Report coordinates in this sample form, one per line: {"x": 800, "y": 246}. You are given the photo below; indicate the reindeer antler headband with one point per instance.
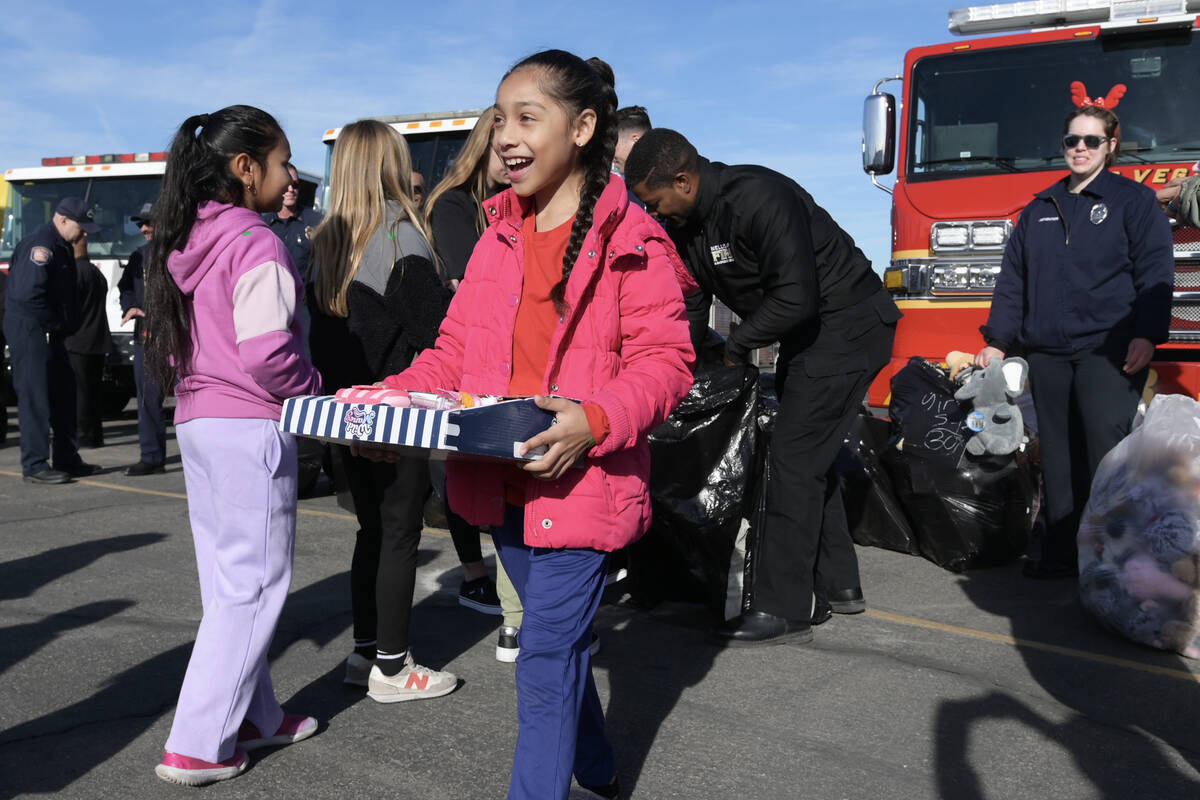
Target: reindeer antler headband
{"x": 1080, "y": 97}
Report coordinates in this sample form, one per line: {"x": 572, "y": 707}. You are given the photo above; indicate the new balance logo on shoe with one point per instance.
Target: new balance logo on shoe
{"x": 413, "y": 682}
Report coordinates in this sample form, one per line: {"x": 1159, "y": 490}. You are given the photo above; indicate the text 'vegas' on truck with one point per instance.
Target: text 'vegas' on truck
{"x": 975, "y": 136}
{"x": 115, "y": 186}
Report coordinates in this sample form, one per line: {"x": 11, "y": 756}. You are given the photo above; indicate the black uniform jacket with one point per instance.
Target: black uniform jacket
{"x": 758, "y": 242}
{"x": 132, "y": 286}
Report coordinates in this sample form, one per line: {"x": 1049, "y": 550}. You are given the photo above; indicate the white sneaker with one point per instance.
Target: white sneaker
{"x": 414, "y": 682}
{"x": 358, "y": 668}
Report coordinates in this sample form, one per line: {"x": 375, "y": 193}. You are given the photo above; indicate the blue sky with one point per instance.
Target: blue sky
{"x": 773, "y": 83}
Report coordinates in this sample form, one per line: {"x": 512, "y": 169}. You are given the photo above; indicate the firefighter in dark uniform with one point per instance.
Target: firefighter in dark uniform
{"x": 294, "y": 226}
{"x": 1085, "y": 292}
{"x": 41, "y": 307}
{"x": 756, "y": 240}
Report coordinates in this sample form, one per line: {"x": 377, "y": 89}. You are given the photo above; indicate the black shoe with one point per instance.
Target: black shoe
{"x": 847, "y": 601}
{"x": 82, "y": 469}
{"x": 507, "y": 648}
{"x": 1049, "y": 570}
{"x": 144, "y": 468}
{"x": 759, "y": 627}
{"x": 480, "y": 594}
{"x": 609, "y": 791}
{"x": 48, "y": 477}
{"x": 822, "y": 612}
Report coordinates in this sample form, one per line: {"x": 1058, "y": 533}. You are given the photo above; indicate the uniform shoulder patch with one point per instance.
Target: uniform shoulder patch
{"x": 246, "y": 233}
{"x": 40, "y": 256}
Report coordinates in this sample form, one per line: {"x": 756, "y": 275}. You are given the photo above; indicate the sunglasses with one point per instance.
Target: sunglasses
{"x": 1072, "y": 140}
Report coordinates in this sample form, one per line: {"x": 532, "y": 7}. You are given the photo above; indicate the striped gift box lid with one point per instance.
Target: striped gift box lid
{"x": 495, "y": 431}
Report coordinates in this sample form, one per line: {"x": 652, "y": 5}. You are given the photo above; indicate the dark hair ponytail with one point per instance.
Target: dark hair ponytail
{"x": 578, "y": 85}
{"x": 197, "y": 170}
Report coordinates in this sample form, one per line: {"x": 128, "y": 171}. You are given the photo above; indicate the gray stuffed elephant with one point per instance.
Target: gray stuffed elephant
{"x": 995, "y": 418}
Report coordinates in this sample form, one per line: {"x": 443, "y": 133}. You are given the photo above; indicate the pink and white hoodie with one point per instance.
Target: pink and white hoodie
{"x": 241, "y": 291}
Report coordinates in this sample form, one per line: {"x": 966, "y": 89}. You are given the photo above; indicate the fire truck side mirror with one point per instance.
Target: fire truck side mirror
{"x": 879, "y": 134}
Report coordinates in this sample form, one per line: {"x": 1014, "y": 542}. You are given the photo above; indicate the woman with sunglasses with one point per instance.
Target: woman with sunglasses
{"x": 1085, "y": 293}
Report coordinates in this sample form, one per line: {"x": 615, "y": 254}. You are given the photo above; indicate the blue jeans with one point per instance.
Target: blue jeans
{"x": 561, "y": 722}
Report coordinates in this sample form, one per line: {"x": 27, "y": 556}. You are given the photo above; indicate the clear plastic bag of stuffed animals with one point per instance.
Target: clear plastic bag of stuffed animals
{"x": 1139, "y": 539}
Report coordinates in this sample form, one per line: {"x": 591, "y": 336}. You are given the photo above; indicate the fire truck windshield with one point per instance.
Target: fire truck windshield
{"x": 113, "y": 199}
{"x": 1001, "y": 109}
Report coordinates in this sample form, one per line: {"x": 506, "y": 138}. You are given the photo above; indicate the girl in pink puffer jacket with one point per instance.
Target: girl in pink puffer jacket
{"x": 575, "y": 293}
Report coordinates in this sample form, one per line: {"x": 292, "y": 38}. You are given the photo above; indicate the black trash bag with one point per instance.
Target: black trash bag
{"x": 964, "y": 511}
{"x": 756, "y": 494}
{"x": 978, "y": 515}
{"x": 702, "y": 465}
{"x": 874, "y": 515}
{"x": 926, "y": 418}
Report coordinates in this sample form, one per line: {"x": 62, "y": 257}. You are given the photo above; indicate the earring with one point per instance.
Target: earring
{"x": 579, "y": 144}
{"x": 253, "y": 189}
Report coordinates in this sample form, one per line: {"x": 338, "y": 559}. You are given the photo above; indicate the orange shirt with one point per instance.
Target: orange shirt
{"x": 536, "y": 321}
{"x": 536, "y": 315}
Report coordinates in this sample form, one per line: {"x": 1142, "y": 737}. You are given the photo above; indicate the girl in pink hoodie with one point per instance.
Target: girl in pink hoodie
{"x": 224, "y": 292}
{"x": 571, "y": 292}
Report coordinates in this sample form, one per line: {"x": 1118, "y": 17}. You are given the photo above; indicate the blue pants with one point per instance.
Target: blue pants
{"x": 241, "y": 493}
{"x": 152, "y": 428}
{"x": 561, "y": 723}
{"x": 45, "y": 385}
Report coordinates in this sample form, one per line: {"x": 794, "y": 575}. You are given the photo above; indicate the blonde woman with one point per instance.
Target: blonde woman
{"x": 454, "y": 211}
{"x": 377, "y": 300}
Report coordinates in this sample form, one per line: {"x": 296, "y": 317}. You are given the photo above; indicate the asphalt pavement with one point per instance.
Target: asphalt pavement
{"x": 982, "y": 685}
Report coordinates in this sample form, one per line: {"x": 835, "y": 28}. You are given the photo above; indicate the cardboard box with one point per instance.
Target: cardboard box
{"x": 494, "y": 432}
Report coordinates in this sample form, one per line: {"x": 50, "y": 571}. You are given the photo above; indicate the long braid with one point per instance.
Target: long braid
{"x": 597, "y": 158}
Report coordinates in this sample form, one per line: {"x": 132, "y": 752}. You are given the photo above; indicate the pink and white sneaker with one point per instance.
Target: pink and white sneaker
{"x": 176, "y": 768}
{"x": 294, "y": 728}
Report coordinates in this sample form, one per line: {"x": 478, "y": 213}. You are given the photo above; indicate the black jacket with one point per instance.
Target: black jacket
{"x": 382, "y": 333}
{"x": 758, "y": 242}
{"x": 1095, "y": 269}
{"x": 132, "y": 286}
{"x": 92, "y": 336}
{"x": 454, "y": 234}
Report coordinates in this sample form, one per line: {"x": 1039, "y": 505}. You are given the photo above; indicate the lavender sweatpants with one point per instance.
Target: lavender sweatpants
{"x": 241, "y": 488}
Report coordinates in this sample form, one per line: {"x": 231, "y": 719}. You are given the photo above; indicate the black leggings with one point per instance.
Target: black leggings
{"x": 389, "y": 500}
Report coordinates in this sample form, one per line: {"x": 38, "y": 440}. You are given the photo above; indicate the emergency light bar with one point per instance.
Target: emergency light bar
{"x": 107, "y": 158}
{"x": 1060, "y": 13}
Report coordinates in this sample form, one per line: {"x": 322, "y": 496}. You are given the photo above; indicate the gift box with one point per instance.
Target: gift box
{"x": 493, "y": 431}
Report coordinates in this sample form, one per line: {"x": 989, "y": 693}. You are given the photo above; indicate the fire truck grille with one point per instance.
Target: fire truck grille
{"x": 1187, "y": 240}
{"x": 1185, "y": 321}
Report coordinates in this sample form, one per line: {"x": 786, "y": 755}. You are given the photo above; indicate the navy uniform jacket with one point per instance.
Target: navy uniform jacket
{"x": 760, "y": 243}
{"x": 295, "y": 232}
{"x": 42, "y": 282}
{"x": 1085, "y": 271}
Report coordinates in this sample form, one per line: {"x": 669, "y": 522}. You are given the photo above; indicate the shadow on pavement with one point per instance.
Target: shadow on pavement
{"x": 21, "y": 577}
{"x": 132, "y": 701}
{"x": 22, "y": 641}
{"x": 652, "y": 658}
{"x": 1118, "y": 715}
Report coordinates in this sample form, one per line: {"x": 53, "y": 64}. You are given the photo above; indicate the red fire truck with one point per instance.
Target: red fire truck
{"x": 975, "y": 136}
